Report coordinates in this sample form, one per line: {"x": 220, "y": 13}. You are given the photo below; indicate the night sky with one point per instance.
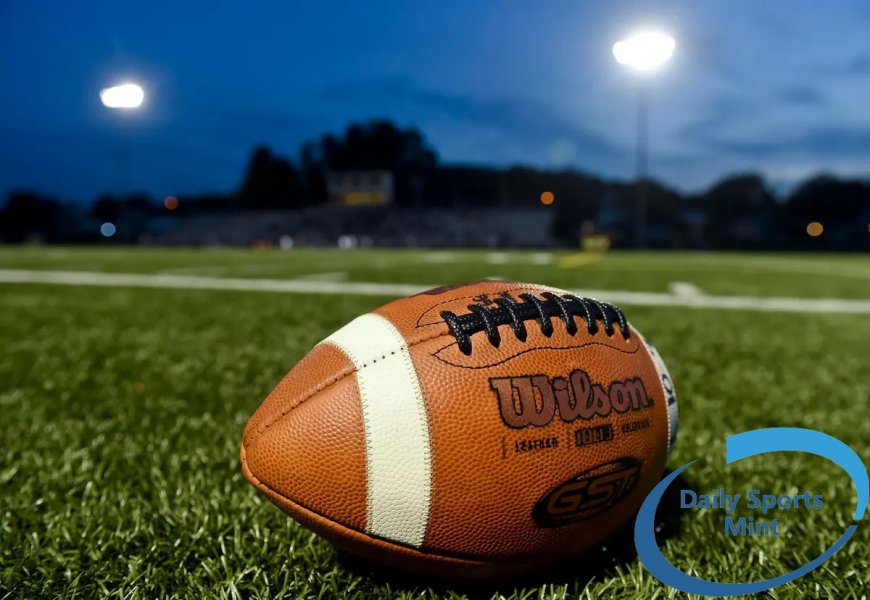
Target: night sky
{"x": 779, "y": 87}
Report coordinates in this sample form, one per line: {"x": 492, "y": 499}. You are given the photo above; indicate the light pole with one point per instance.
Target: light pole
{"x": 643, "y": 52}
{"x": 124, "y": 97}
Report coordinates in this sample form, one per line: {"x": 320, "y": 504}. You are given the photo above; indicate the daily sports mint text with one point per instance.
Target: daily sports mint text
{"x": 738, "y": 447}
{"x": 755, "y": 501}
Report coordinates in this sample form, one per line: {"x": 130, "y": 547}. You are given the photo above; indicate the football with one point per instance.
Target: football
{"x": 474, "y": 430}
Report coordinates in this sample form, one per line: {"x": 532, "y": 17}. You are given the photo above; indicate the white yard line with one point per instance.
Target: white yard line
{"x": 498, "y": 258}
{"x": 541, "y": 258}
{"x": 254, "y": 269}
{"x": 684, "y": 289}
{"x": 329, "y": 276}
{"x": 193, "y": 282}
{"x": 297, "y": 286}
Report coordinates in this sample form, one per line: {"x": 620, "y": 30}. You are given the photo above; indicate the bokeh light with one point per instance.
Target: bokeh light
{"x": 170, "y": 202}
{"x": 126, "y": 95}
{"x": 815, "y": 229}
{"x": 108, "y": 229}
{"x": 547, "y": 198}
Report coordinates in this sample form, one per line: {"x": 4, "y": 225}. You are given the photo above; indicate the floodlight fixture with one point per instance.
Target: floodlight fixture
{"x": 125, "y": 96}
{"x": 645, "y": 51}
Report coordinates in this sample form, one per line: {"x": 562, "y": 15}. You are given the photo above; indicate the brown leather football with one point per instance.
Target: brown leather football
{"x": 473, "y": 430}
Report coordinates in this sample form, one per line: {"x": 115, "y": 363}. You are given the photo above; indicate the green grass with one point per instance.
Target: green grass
{"x": 122, "y": 411}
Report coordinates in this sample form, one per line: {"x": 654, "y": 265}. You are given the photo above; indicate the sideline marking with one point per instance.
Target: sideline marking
{"x": 329, "y": 276}
{"x": 297, "y": 286}
{"x": 684, "y": 288}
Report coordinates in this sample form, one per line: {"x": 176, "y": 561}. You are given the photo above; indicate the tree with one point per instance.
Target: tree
{"x": 841, "y": 206}
{"x": 27, "y": 215}
{"x": 737, "y": 197}
{"x": 828, "y": 199}
{"x": 270, "y": 182}
{"x": 740, "y": 212}
{"x": 106, "y": 208}
{"x": 373, "y": 146}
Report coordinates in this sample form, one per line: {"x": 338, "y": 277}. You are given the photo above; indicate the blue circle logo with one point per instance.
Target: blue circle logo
{"x": 738, "y": 447}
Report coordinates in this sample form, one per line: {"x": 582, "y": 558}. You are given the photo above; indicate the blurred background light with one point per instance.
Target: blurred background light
{"x": 347, "y": 242}
{"x": 815, "y": 229}
{"x": 547, "y": 198}
{"x": 126, "y": 95}
{"x": 170, "y": 202}
{"x": 644, "y": 51}
{"x": 107, "y": 229}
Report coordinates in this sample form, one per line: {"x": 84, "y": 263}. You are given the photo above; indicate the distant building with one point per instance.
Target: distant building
{"x": 360, "y": 188}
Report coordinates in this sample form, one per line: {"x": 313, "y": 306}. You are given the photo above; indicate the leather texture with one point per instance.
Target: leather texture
{"x": 504, "y": 496}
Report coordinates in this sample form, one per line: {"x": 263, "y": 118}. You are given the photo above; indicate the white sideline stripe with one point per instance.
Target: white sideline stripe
{"x": 193, "y": 282}
{"x": 398, "y": 456}
{"x": 328, "y": 276}
{"x": 684, "y": 288}
{"x": 296, "y": 286}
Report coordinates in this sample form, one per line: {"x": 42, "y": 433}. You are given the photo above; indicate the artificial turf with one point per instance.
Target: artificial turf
{"x": 122, "y": 411}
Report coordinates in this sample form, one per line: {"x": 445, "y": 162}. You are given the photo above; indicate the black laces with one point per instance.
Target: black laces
{"x": 504, "y": 310}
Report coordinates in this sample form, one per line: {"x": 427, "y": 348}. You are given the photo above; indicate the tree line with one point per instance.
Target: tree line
{"x": 739, "y": 211}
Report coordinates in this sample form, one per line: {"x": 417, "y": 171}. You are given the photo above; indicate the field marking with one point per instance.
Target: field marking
{"x": 193, "y": 282}
{"x": 254, "y": 269}
{"x": 498, "y": 258}
{"x": 541, "y": 258}
{"x": 684, "y": 289}
{"x": 297, "y": 286}
{"x": 328, "y": 276}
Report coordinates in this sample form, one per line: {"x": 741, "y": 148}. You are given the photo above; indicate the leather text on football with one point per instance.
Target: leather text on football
{"x": 588, "y": 494}
{"x": 536, "y": 399}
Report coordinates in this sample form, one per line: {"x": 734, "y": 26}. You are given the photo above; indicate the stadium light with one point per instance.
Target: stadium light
{"x": 644, "y": 53}
{"x": 125, "y": 96}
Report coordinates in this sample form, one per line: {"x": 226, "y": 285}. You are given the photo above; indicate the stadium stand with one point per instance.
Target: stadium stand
{"x": 366, "y": 226}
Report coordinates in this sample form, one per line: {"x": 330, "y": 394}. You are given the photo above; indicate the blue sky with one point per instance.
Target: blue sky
{"x": 779, "y": 87}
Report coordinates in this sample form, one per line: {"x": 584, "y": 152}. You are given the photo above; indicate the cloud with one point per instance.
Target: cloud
{"x": 724, "y": 111}
{"x": 727, "y": 111}
{"x": 859, "y": 65}
{"x": 525, "y": 120}
{"x": 800, "y": 95}
{"x": 824, "y": 142}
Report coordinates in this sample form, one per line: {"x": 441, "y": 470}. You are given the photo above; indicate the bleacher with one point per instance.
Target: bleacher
{"x": 365, "y": 226}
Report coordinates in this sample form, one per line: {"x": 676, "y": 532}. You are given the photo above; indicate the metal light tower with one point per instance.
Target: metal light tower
{"x": 124, "y": 97}
{"x": 644, "y": 53}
